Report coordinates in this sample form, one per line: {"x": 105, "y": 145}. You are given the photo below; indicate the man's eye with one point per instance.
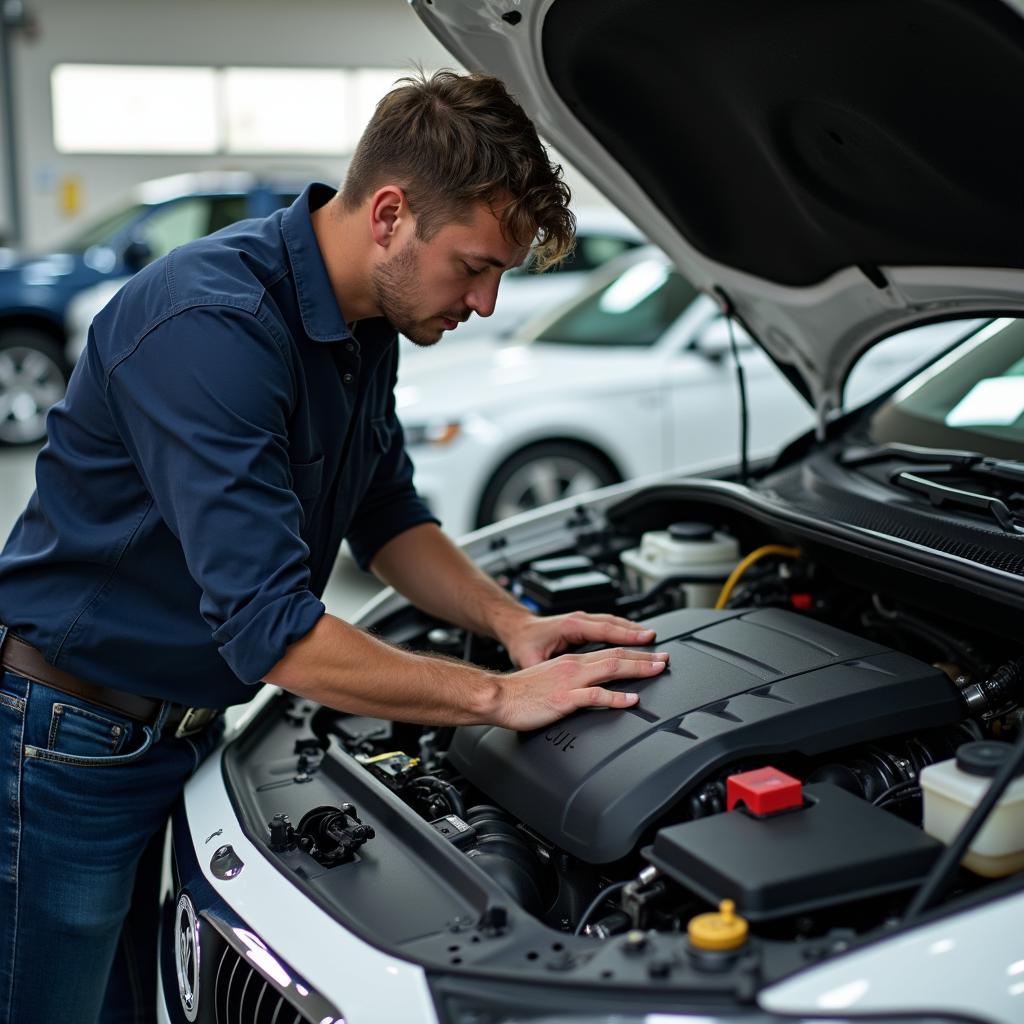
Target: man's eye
{"x": 473, "y": 271}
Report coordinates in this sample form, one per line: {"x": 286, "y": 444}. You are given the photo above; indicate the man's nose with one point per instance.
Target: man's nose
{"x": 481, "y": 299}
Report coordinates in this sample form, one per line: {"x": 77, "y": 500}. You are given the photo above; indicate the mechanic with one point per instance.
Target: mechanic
{"x": 232, "y": 420}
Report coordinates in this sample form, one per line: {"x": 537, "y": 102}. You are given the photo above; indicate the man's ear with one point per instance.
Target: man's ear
{"x": 389, "y": 212}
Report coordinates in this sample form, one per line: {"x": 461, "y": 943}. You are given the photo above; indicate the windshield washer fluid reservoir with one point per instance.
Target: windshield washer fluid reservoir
{"x": 953, "y": 788}
{"x": 698, "y": 552}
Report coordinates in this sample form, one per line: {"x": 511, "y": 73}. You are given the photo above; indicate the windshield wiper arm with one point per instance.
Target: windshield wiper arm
{"x": 1001, "y": 469}
{"x": 865, "y": 454}
{"x": 942, "y": 494}
{"x": 937, "y": 460}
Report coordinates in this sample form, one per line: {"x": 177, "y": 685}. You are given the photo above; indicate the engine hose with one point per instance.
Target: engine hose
{"x": 999, "y": 693}
{"x": 1006, "y": 684}
{"x": 754, "y": 556}
{"x": 451, "y": 796}
{"x": 952, "y": 648}
{"x": 605, "y": 893}
{"x": 500, "y": 851}
{"x": 901, "y": 626}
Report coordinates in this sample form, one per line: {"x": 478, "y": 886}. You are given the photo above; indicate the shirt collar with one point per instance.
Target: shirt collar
{"x": 321, "y": 317}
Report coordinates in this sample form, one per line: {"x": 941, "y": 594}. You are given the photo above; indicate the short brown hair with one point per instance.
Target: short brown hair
{"x": 451, "y": 140}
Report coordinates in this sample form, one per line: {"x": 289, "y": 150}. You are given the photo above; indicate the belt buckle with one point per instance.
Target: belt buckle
{"x": 193, "y": 720}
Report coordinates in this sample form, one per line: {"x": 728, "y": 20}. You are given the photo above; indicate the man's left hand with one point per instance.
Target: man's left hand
{"x": 531, "y": 640}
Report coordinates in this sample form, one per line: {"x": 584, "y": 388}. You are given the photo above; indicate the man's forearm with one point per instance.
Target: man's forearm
{"x": 346, "y": 668}
{"x": 436, "y": 576}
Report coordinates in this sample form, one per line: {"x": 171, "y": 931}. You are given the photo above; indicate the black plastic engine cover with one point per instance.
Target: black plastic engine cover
{"x": 740, "y": 684}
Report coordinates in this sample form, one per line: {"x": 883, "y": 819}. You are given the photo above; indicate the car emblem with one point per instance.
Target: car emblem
{"x": 186, "y": 956}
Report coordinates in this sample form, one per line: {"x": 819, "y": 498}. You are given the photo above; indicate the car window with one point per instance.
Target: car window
{"x": 972, "y": 398}
{"x": 102, "y": 230}
{"x": 635, "y": 308}
{"x": 894, "y": 358}
{"x": 175, "y": 224}
{"x": 179, "y": 222}
{"x": 225, "y": 210}
{"x": 594, "y": 250}
{"x": 591, "y": 251}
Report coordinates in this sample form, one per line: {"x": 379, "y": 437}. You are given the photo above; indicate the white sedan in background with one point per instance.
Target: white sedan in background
{"x": 602, "y": 234}
{"x": 635, "y": 377}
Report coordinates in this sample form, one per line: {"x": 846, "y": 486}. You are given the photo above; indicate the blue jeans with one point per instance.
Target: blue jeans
{"x": 84, "y": 797}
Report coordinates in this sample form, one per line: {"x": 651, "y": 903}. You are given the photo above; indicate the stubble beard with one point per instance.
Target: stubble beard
{"x": 397, "y": 287}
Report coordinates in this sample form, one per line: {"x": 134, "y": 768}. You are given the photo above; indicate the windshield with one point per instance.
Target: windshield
{"x": 635, "y": 308}
{"x": 100, "y": 232}
{"x": 972, "y": 399}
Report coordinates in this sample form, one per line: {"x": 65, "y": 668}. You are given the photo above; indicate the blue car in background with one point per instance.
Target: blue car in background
{"x": 35, "y": 290}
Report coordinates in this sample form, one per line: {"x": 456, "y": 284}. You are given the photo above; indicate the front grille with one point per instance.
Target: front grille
{"x": 242, "y": 995}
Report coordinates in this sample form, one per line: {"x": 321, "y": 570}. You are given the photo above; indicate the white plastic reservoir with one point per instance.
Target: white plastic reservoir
{"x": 953, "y": 788}
{"x": 697, "y": 551}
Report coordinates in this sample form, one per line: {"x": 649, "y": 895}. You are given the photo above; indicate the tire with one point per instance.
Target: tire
{"x": 33, "y": 378}
{"x": 540, "y": 474}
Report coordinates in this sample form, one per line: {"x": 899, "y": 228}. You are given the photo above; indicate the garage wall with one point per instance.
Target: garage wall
{"x": 219, "y": 32}
{"x": 4, "y": 216}
{"x": 295, "y": 33}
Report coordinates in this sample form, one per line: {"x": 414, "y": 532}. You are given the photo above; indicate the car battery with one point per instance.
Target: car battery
{"x": 829, "y": 848}
{"x": 555, "y": 585}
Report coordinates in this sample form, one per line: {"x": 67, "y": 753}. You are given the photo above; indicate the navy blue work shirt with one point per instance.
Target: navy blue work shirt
{"x": 223, "y": 432}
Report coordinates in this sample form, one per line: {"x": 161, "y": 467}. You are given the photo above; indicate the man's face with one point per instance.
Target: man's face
{"x": 427, "y": 288}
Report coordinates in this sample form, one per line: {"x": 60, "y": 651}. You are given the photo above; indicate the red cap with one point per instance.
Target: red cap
{"x": 764, "y": 791}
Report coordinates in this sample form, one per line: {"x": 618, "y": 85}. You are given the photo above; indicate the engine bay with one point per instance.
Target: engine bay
{"x": 832, "y": 678}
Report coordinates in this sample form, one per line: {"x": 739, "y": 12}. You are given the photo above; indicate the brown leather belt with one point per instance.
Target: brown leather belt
{"x": 23, "y": 659}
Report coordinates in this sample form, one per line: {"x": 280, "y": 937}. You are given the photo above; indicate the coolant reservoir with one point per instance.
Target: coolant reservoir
{"x": 698, "y": 552}
{"x": 953, "y": 788}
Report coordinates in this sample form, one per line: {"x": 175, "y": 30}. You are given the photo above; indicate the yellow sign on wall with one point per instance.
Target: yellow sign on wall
{"x": 69, "y": 195}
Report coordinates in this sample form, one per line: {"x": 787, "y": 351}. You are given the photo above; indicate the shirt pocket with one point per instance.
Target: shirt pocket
{"x": 307, "y": 479}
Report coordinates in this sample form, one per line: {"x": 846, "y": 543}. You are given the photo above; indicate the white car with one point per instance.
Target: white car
{"x": 812, "y": 814}
{"x": 633, "y": 378}
{"x": 601, "y": 235}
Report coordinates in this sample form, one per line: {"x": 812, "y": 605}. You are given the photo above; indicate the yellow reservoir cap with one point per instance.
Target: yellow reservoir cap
{"x": 720, "y": 930}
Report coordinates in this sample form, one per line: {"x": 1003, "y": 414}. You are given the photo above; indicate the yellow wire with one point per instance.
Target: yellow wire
{"x": 754, "y": 556}
{"x": 413, "y": 761}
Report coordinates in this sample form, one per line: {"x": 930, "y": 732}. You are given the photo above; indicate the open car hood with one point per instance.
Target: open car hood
{"x": 833, "y": 172}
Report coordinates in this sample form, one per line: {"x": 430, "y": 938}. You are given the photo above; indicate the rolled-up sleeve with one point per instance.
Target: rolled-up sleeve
{"x": 391, "y": 505}
{"x": 203, "y": 403}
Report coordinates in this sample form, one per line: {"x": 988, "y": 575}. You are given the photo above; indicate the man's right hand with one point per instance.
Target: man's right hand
{"x": 537, "y": 696}
{"x": 345, "y": 668}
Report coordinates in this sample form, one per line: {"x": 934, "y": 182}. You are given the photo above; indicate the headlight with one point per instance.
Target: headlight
{"x": 440, "y": 433}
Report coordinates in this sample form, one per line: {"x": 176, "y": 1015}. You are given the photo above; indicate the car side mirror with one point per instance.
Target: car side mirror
{"x": 136, "y": 254}
{"x": 712, "y": 341}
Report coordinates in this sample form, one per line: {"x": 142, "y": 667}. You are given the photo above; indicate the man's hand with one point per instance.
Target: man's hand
{"x": 537, "y": 696}
{"x": 345, "y": 668}
{"x": 530, "y": 640}
{"x": 437, "y": 577}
